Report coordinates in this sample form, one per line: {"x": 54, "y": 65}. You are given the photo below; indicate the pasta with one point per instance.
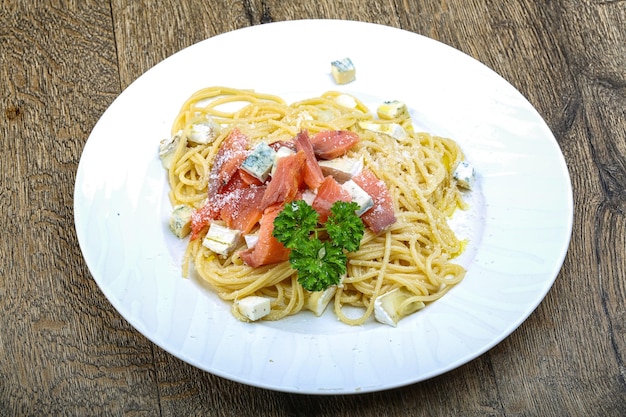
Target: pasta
{"x": 415, "y": 253}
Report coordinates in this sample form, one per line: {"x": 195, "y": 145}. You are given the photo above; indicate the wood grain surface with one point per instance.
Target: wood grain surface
{"x": 64, "y": 350}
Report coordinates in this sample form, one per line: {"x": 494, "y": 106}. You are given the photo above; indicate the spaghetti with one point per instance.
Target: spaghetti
{"x": 415, "y": 253}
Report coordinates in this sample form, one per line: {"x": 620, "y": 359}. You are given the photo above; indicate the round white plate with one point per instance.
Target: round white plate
{"x": 519, "y": 225}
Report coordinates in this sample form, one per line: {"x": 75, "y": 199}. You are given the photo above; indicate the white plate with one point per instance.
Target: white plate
{"x": 520, "y": 224}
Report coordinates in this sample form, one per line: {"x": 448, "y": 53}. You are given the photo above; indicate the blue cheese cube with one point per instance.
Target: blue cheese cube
{"x": 180, "y": 220}
{"x": 343, "y": 71}
{"x": 465, "y": 175}
{"x": 392, "y": 110}
{"x": 260, "y": 161}
{"x": 359, "y": 196}
{"x": 221, "y": 240}
{"x": 389, "y": 308}
{"x": 390, "y": 129}
{"x": 253, "y": 307}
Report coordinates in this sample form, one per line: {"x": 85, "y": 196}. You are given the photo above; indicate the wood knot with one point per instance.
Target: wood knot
{"x": 12, "y": 112}
{"x": 266, "y": 17}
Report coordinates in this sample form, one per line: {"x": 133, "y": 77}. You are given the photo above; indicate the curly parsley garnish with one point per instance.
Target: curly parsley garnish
{"x": 318, "y": 253}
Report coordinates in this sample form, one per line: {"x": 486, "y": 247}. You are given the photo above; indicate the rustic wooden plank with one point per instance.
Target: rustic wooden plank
{"x": 599, "y": 347}
{"x": 148, "y": 32}
{"x": 63, "y": 348}
{"x": 382, "y": 12}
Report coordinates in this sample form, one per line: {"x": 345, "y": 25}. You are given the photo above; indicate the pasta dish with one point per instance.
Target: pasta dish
{"x": 226, "y": 196}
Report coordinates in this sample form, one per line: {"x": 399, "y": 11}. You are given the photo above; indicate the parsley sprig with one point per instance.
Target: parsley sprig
{"x": 318, "y": 252}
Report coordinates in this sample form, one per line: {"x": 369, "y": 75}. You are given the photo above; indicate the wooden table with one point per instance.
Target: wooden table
{"x": 64, "y": 350}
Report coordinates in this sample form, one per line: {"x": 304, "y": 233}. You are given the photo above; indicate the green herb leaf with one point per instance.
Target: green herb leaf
{"x": 295, "y": 223}
{"x": 320, "y": 263}
{"x": 319, "y": 266}
{"x": 344, "y": 227}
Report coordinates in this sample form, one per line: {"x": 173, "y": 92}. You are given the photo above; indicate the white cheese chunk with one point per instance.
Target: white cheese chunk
{"x": 341, "y": 169}
{"x": 260, "y": 161}
{"x": 391, "y": 129}
{"x": 180, "y": 220}
{"x": 281, "y": 153}
{"x": 203, "y": 130}
{"x": 389, "y": 308}
{"x": 343, "y": 71}
{"x": 167, "y": 148}
{"x": 359, "y": 196}
{"x": 392, "y": 110}
{"x": 221, "y": 239}
{"x": 346, "y": 100}
{"x": 253, "y": 307}
{"x": 251, "y": 240}
{"x": 465, "y": 175}
{"x": 318, "y": 300}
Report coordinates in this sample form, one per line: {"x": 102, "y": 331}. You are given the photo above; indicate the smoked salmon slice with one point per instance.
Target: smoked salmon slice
{"x": 313, "y": 176}
{"x": 201, "y": 218}
{"x": 248, "y": 178}
{"x": 286, "y": 181}
{"x": 227, "y": 161}
{"x": 381, "y": 215}
{"x": 268, "y": 249}
{"x": 242, "y": 208}
{"x": 328, "y": 193}
{"x": 331, "y": 144}
{"x": 213, "y": 206}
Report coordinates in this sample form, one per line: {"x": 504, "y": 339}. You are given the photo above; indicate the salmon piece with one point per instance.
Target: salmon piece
{"x": 382, "y": 214}
{"x": 268, "y": 249}
{"x": 328, "y": 193}
{"x": 313, "y": 176}
{"x": 231, "y": 154}
{"x": 248, "y": 178}
{"x": 241, "y": 208}
{"x": 212, "y": 208}
{"x": 286, "y": 181}
{"x": 331, "y": 144}
{"x": 201, "y": 217}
